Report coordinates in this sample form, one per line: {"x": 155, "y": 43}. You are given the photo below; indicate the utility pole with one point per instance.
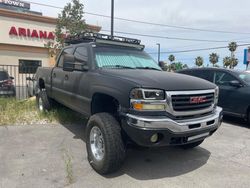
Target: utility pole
{"x": 159, "y": 52}
{"x": 112, "y": 18}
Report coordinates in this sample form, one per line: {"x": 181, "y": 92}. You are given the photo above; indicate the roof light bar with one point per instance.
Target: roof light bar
{"x": 102, "y": 38}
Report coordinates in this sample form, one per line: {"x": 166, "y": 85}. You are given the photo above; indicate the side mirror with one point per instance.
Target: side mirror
{"x": 235, "y": 83}
{"x": 12, "y": 78}
{"x": 68, "y": 62}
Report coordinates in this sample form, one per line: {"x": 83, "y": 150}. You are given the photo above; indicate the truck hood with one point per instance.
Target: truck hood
{"x": 159, "y": 79}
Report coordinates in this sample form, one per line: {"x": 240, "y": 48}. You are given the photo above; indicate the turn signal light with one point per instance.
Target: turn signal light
{"x": 142, "y": 106}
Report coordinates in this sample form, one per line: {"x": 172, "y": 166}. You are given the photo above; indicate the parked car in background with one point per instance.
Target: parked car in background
{"x": 7, "y": 87}
{"x": 234, "y": 88}
{"x": 31, "y": 82}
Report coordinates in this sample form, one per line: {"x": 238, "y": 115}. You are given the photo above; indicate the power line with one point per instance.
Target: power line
{"x": 165, "y": 37}
{"x": 149, "y": 23}
{"x": 195, "y": 50}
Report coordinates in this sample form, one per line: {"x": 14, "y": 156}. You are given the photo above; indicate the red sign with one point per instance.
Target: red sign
{"x": 32, "y": 33}
{"x": 198, "y": 100}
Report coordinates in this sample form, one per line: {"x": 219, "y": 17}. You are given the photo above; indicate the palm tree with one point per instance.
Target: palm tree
{"x": 234, "y": 62}
{"x": 232, "y": 46}
{"x": 226, "y": 61}
{"x": 171, "y": 58}
{"x": 213, "y": 58}
{"x": 199, "y": 61}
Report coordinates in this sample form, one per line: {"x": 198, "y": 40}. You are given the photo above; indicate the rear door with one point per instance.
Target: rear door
{"x": 59, "y": 77}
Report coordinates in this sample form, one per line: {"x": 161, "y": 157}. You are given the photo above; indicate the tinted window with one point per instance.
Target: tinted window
{"x": 65, "y": 51}
{"x": 3, "y": 75}
{"x": 81, "y": 54}
{"x": 29, "y": 66}
{"x": 223, "y": 78}
{"x": 203, "y": 74}
{"x": 245, "y": 76}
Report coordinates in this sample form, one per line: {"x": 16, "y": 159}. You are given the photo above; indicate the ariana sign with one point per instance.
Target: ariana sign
{"x": 15, "y": 3}
{"x": 31, "y": 33}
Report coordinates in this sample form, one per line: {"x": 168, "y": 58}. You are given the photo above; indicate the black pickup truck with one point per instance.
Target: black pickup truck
{"x": 127, "y": 98}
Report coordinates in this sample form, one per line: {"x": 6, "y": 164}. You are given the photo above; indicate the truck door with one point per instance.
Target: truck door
{"x": 59, "y": 91}
{"x": 229, "y": 96}
{"x": 78, "y": 84}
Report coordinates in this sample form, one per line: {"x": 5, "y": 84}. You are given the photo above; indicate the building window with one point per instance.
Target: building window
{"x": 29, "y": 66}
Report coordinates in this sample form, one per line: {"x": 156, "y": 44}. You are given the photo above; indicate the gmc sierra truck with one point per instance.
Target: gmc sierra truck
{"x": 127, "y": 98}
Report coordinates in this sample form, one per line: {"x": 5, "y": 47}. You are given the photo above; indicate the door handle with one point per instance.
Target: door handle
{"x": 66, "y": 77}
{"x": 54, "y": 75}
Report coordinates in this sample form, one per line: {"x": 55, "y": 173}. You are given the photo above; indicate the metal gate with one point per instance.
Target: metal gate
{"x": 17, "y": 81}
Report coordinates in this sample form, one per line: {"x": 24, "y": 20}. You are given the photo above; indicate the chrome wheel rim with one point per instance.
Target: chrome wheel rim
{"x": 40, "y": 104}
{"x": 97, "y": 143}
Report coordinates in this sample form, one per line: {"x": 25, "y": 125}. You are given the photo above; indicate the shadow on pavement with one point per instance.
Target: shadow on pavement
{"x": 157, "y": 163}
{"x": 235, "y": 121}
{"x": 152, "y": 163}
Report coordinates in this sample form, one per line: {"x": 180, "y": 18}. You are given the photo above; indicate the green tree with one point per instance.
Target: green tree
{"x": 171, "y": 58}
{"x": 70, "y": 22}
{"x": 213, "y": 58}
{"x": 199, "y": 61}
{"x": 232, "y": 46}
{"x": 226, "y": 61}
{"x": 234, "y": 62}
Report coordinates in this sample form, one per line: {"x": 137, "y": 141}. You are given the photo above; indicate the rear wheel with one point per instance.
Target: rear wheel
{"x": 43, "y": 102}
{"x": 191, "y": 145}
{"x": 105, "y": 147}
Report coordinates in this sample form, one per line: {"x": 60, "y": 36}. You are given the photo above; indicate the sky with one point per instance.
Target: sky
{"x": 223, "y": 15}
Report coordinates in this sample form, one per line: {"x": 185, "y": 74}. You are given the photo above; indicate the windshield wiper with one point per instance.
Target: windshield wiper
{"x": 148, "y": 68}
{"x": 117, "y": 66}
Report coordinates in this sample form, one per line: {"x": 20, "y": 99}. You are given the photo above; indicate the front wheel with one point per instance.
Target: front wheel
{"x": 43, "y": 101}
{"x": 191, "y": 145}
{"x": 105, "y": 147}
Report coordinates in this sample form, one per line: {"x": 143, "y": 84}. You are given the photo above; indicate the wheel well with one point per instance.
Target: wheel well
{"x": 41, "y": 83}
{"x": 104, "y": 103}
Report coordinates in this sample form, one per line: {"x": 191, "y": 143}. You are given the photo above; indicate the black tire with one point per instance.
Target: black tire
{"x": 191, "y": 145}
{"x": 114, "y": 148}
{"x": 45, "y": 104}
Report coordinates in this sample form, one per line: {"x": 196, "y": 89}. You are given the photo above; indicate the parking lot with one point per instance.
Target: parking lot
{"x": 55, "y": 156}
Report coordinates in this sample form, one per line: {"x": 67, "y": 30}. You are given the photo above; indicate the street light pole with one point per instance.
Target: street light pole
{"x": 159, "y": 52}
{"x": 112, "y": 18}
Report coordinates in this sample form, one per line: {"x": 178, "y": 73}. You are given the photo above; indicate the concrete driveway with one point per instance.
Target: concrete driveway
{"x": 55, "y": 156}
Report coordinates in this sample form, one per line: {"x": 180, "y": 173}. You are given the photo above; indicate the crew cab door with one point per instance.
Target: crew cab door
{"x": 59, "y": 77}
{"x": 78, "y": 82}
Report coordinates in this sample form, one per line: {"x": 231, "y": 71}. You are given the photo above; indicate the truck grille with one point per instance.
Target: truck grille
{"x": 189, "y": 103}
{"x": 192, "y": 102}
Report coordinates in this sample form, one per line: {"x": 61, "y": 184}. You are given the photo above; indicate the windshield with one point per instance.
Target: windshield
{"x": 120, "y": 58}
{"x": 245, "y": 76}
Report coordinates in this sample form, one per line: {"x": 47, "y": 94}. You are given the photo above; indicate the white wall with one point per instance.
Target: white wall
{"x": 6, "y": 23}
{"x": 12, "y": 57}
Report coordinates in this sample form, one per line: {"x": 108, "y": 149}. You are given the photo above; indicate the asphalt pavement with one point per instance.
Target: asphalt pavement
{"x": 55, "y": 156}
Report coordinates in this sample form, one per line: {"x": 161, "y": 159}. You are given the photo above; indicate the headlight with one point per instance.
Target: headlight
{"x": 147, "y": 94}
{"x": 147, "y": 99}
{"x": 216, "y": 95}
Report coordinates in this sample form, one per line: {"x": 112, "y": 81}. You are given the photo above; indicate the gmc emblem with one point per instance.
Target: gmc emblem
{"x": 198, "y": 100}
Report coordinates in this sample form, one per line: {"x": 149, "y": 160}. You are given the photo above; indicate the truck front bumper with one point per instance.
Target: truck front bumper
{"x": 162, "y": 131}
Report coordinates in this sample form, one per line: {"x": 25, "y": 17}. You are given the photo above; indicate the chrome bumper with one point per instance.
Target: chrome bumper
{"x": 178, "y": 126}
